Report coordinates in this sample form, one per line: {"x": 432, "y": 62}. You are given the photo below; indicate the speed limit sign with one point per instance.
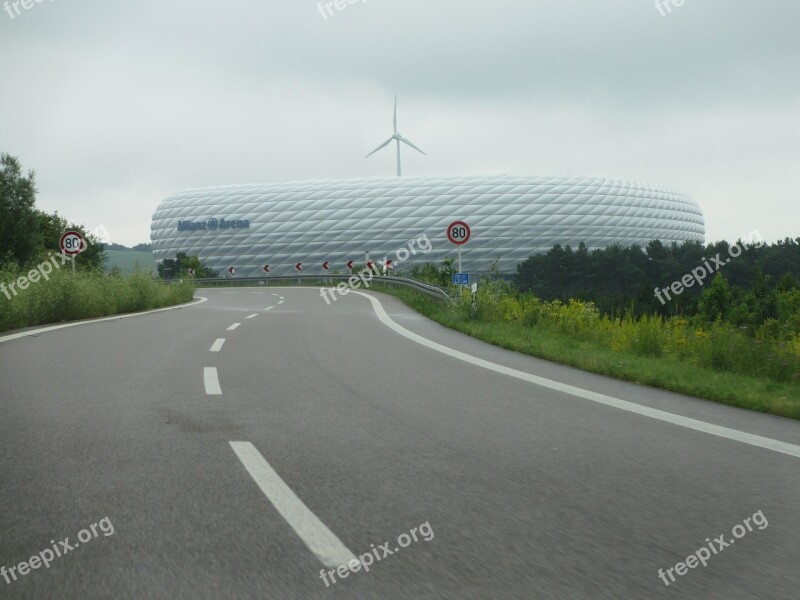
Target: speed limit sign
{"x": 72, "y": 243}
{"x": 458, "y": 232}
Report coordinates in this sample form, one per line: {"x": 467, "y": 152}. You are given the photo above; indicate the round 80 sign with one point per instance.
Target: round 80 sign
{"x": 458, "y": 232}
{"x": 72, "y": 243}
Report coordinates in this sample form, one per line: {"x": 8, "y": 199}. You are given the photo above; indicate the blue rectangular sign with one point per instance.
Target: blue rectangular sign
{"x": 460, "y": 278}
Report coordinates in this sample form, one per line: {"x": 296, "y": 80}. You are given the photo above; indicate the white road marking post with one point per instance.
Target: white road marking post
{"x": 234, "y": 326}
{"x": 328, "y": 548}
{"x": 217, "y": 345}
{"x": 211, "y": 381}
{"x": 645, "y": 411}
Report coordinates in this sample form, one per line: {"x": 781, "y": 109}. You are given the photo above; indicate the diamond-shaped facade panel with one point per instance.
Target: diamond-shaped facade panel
{"x": 511, "y": 218}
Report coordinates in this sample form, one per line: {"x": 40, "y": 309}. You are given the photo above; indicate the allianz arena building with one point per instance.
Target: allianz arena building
{"x": 511, "y": 217}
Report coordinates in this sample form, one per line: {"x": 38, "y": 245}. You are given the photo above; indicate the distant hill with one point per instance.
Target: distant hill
{"x": 129, "y": 259}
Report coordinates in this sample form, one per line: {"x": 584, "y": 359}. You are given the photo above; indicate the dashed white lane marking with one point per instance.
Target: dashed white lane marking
{"x": 253, "y": 316}
{"x": 269, "y": 308}
{"x": 217, "y": 345}
{"x": 646, "y": 411}
{"x": 211, "y": 381}
{"x": 280, "y": 301}
{"x": 274, "y": 294}
{"x": 328, "y": 548}
{"x": 230, "y": 292}
{"x": 234, "y": 326}
{"x": 16, "y": 336}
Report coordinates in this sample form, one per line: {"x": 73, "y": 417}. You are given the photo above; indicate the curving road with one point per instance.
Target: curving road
{"x": 247, "y": 444}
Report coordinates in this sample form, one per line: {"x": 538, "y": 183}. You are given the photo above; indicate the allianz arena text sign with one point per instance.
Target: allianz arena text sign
{"x": 213, "y": 224}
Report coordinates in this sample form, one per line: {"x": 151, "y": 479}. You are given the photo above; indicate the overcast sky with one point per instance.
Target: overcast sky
{"x": 118, "y": 103}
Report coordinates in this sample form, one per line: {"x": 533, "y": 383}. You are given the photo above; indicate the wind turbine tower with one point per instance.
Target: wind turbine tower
{"x": 397, "y": 138}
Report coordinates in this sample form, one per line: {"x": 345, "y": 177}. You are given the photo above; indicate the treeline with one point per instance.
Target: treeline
{"x": 621, "y": 279}
{"x": 29, "y": 235}
{"x": 35, "y": 285}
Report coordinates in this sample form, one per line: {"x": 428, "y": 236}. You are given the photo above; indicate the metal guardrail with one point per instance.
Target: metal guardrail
{"x": 430, "y": 290}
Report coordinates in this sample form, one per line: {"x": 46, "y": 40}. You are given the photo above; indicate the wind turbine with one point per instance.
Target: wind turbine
{"x": 397, "y": 138}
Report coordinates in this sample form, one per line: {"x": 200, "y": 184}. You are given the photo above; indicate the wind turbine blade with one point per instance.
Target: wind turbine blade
{"x": 383, "y": 145}
{"x": 399, "y": 170}
{"x": 395, "y": 113}
{"x": 405, "y": 141}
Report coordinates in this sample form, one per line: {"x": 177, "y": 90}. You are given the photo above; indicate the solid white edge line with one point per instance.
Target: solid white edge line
{"x": 211, "y": 381}
{"x": 16, "y": 336}
{"x": 645, "y": 411}
{"x": 217, "y": 345}
{"x": 253, "y": 316}
{"x": 328, "y": 548}
{"x": 234, "y": 326}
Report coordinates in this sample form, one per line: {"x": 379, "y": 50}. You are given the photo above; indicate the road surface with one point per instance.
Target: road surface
{"x": 217, "y": 460}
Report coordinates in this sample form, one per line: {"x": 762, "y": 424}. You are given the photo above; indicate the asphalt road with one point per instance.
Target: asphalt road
{"x": 315, "y": 433}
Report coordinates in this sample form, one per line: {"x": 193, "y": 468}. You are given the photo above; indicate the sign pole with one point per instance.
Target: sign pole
{"x": 458, "y": 232}
{"x": 72, "y": 243}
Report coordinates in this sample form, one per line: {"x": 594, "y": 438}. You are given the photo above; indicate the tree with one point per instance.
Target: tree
{"x": 50, "y": 229}
{"x": 178, "y": 267}
{"x": 715, "y": 300}
{"x": 19, "y": 226}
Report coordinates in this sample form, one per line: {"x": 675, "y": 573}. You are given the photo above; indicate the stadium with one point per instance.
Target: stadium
{"x": 511, "y": 218}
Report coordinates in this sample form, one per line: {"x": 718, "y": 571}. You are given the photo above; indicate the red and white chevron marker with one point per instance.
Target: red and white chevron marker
{"x": 387, "y": 266}
{"x": 325, "y": 265}
{"x": 350, "y": 264}
{"x": 369, "y": 264}
{"x": 232, "y": 271}
{"x": 299, "y": 266}
{"x": 266, "y": 268}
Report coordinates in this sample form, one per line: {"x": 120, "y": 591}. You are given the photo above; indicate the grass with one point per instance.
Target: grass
{"x": 761, "y": 394}
{"x": 67, "y": 297}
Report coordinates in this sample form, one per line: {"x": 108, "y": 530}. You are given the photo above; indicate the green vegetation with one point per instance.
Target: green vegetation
{"x": 618, "y": 279}
{"x": 37, "y": 287}
{"x": 67, "y": 297}
{"x": 178, "y": 267}
{"x": 28, "y": 234}
{"x": 756, "y": 368}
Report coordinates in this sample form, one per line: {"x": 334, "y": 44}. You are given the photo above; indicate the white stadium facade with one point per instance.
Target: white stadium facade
{"x": 511, "y": 217}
